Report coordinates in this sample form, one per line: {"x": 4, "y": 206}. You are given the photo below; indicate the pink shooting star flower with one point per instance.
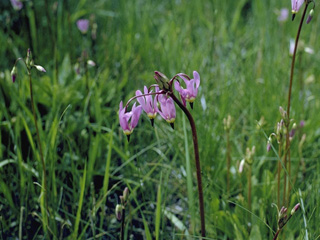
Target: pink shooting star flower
{"x": 147, "y": 103}
{"x": 16, "y": 4}
{"x": 296, "y": 5}
{"x": 83, "y": 25}
{"x": 190, "y": 93}
{"x": 283, "y": 14}
{"x": 167, "y": 109}
{"x": 124, "y": 118}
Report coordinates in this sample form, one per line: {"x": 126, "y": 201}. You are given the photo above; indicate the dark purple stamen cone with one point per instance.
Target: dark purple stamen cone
{"x": 293, "y": 16}
{"x": 191, "y": 105}
{"x": 152, "y": 122}
{"x": 172, "y": 125}
{"x": 128, "y": 138}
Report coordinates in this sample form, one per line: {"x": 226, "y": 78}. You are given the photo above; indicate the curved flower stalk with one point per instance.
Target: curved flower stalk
{"x": 296, "y": 5}
{"x": 28, "y": 62}
{"x": 165, "y": 98}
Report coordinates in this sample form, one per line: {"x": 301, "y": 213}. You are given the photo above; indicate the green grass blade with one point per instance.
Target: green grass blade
{"x": 146, "y": 228}
{"x": 107, "y": 170}
{"x": 189, "y": 175}
{"x": 82, "y": 188}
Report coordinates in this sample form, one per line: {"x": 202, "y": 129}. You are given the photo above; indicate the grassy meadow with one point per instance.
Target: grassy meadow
{"x": 241, "y": 52}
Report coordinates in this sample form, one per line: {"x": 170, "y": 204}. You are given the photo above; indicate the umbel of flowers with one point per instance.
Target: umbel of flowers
{"x": 160, "y": 99}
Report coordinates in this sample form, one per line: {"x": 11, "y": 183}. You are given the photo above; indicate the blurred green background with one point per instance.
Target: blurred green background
{"x": 241, "y": 51}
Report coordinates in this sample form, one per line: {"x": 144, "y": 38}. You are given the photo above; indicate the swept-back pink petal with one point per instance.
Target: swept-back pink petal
{"x": 196, "y": 77}
{"x": 136, "y": 112}
{"x": 140, "y": 100}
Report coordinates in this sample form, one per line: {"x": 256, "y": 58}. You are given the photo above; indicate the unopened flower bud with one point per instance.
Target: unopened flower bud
{"x": 310, "y": 16}
{"x": 91, "y": 63}
{"x": 241, "y": 165}
{"x": 283, "y": 113}
{"x": 283, "y": 210}
{"x": 14, "y": 73}
{"x": 253, "y": 150}
{"x": 40, "y": 68}
{"x": 162, "y": 80}
{"x": 125, "y": 194}
{"x": 295, "y": 208}
{"x": 29, "y": 58}
{"x": 227, "y": 123}
{"x": 119, "y": 212}
{"x": 269, "y": 144}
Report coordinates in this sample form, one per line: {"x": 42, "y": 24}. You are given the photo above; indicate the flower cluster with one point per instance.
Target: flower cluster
{"x": 280, "y": 132}
{"x": 28, "y": 63}
{"x": 297, "y": 4}
{"x": 160, "y": 100}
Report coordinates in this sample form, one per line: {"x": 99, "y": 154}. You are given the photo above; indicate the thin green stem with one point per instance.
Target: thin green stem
{"x": 279, "y": 172}
{"x": 228, "y": 162}
{"x": 287, "y": 123}
{"x": 249, "y": 195}
{"x": 197, "y": 160}
{"x": 44, "y": 189}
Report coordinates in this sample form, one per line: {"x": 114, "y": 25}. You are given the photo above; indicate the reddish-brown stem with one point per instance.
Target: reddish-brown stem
{"x": 287, "y": 123}
{"x": 276, "y": 235}
{"x": 197, "y": 161}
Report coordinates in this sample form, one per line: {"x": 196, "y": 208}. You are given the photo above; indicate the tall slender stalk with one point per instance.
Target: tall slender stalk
{"x": 44, "y": 188}
{"x": 122, "y": 224}
{"x": 249, "y": 195}
{"x": 197, "y": 160}
{"x": 287, "y": 123}
{"x": 279, "y": 172}
{"x": 228, "y": 162}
